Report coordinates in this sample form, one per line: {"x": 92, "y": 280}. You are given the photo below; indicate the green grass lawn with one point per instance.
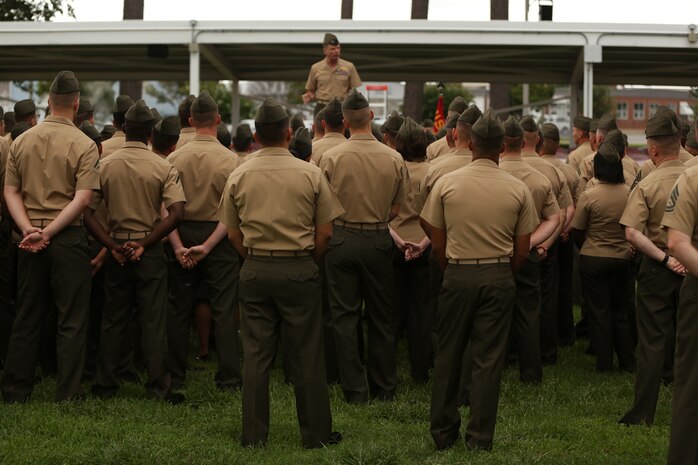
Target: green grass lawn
{"x": 570, "y": 419}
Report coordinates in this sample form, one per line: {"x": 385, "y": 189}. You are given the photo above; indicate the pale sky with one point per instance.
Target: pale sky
{"x": 608, "y": 11}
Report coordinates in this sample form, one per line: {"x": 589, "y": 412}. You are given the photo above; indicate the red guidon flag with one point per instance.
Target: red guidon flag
{"x": 439, "y": 119}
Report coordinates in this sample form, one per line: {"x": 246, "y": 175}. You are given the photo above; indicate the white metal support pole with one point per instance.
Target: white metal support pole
{"x": 235, "y": 104}
{"x": 194, "y": 70}
{"x": 525, "y": 91}
{"x": 574, "y": 108}
{"x": 589, "y": 89}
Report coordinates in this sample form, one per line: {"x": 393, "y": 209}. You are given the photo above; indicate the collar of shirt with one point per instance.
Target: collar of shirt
{"x": 134, "y": 144}
{"x": 529, "y": 155}
{"x": 333, "y": 135}
{"x": 273, "y": 152}
{"x": 190, "y": 129}
{"x": 58, "y": 119}
{"x": 461, "y": 152}
{"x": 512, "y": 158}
{"x": 117, "y": 134}
{"x": 669, "y": 164}
{"x": 205, "y": 138}
{"x": 549, "y": 157}
{"x": 362, "y": 136}
{"x": 484, "y": 162}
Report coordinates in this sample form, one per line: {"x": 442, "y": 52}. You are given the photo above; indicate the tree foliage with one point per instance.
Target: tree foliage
{"x": 536, "y": 93}
{"x": 431, "y": 97}
{"x": 174, "y": 92}
{"x": 34, "y": 10}
{"x": 602, "y": 101}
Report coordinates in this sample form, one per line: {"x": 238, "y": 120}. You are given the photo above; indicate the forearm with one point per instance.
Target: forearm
{"x": 163, "y": 228}
{"x": 547, "y": 243}
{"x": 15, "y": 205}
{"x": 237, "y": 239}
{"x": 544, "y": 230}
{"x": 69, "y": 214}
{"x": 644, "y": 244}
{"x": 97, "y": 231}
{"x": 216, "y": 236}
{"x": 394, "y": 212}
{"x": 322, "y": 243}
{"x": 687, "y": 255}
{"x": 569, "y": 216}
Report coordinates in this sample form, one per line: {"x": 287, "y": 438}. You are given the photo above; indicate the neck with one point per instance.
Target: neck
{"x": 582, "y": 140}
{"x": 363, "y": 130}
{"x": 507, "y": 153}
{"x": 332, "y": 61}
{"x": 207, "y": 131}
{"x": 67, "y": 113}
{"x": 465, "y": 144}
{"x": 659, "y": 160}
{"x": 493, "y": 158}
{"x": 136, "y": 139}
{"x": 546, "y": 154}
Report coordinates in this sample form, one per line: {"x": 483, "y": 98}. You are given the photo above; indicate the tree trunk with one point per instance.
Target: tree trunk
{"x": 347, "y": 9}
{"x": 414, "y": 90}
{"x": 133, "y": 9}
{"x": 499, "y": 92}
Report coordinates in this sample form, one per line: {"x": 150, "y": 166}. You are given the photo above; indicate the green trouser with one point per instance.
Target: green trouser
{"x": 143, "y": 285}
{"x": 218, "y": 272}
{"x": 63, "y": 271}
{"x": 565, "y": 296}
{"x": 475, "y": 309}
{"x": 283, "y": 295}
{"x": 414, "y": 311}
{"x": 525, "y": 324}
{"x": 8, "y": 284}
{"x": 605, "y": 282}
{"x": 683, "y": 447}
{"x": 360, "y": 270}
{"x": 548, "y": 307}
{"x": 657, "y": 302}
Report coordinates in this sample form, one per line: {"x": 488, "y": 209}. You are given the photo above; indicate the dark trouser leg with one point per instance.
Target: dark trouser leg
{"x": 548, "y": 312}
{"x": 94, "y": 324}
{"x": 683, "y": 447}
{"x": 259, "y": 324}
{"x": 48, "y": 358}
{"x": 657, "y": 301}
{"x": 344, "y": 288}
{"x": 622, "y": 342}
{"x": 378, "y": 282}
{"x": 596, "y": 282}
{"x": 151, "y": 295}
{"x": 330, "y": 349}
{"x": 633, "y": 269}
{"x": 565, "y": 312}
{"x": 33, "y": 272}
{"x": 525, "y": 324}
{"x": 180, "y": 309}
{"x": 419, "y": 318}
{"x": 8, "y": 284}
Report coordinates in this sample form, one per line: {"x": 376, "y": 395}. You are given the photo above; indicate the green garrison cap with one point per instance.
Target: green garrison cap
{"x": 270, "y": 111}
{"x": 9, "y": 118}
{"x": 107, "y": 131}
{"x": 470, "y": 115}
{"x": 376, "y": 131}
{"x": 24, "y": 107}
{"x": 607, "y": 123}
{"x": 593, "y": 125}
{"x": 334, "y": 106}
{"x": 223, "y": 134}
{"x": 668, "y": 113}
{"x": 660, "y": 125}
{"x": 91, "y": 132}
{"x": 2, "y": 112}
{"x": 168, "y": 126}
{"x": 428, "y": 123}
{"x": 297, "y": 122}
{"x": 85, "y": 106}
{"x": 512, "y": 128}
{"x": 550, "y": 131}
{"x": 441, "y": 133}
{"x": 157, "y": 117}
{"x": 139, "y": 113}
{"x": 615, "y": 137}
{"x": 582, "y": 122}
{"x": 123, "y": 103}
{"x": 330, "y": 39}
{"x": 488, "y": 127}
{"x": 301, "y": 142}
{"x": 452, "y": 121}
{"x": 319, "y": 116}
{"x": 458, "y": 104}
{"x": 529, "y": 124}
{"x": 204, "y": 103}
{"x": 609, "y": 152}
{"x": 410, "y": 131}
{"x": 685, "y": 127}
{"x": 691, "y": 140}
{"x": 243, "y": 131}
{"x": 19, "y": 128}
{"x": 64, "y": 83}
{"x": 394, "y": 123}
{"x": 354, "y": 101}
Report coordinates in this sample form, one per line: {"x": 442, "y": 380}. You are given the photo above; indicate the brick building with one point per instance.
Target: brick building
{"x": 635, "y": 105}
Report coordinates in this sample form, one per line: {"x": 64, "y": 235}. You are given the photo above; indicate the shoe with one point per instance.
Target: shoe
{"x": 203, "y": 358}
{"x": 103, "y": 392}
{"x": 627, "y": 420}
{"x": 473, "y": 445}
{"x": 229, "y": 388}
{"x": 174, "y": 398}
{"x": 448, "y": 444}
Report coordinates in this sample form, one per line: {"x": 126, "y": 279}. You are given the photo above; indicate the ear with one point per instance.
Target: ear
{"x": 218, "y": 119}
{"x": 191, "y": 121}
{"x": 470, "y": 145}
{"x": 322, "y": 123}
{"x": 523, "y": 144}
{"x": 256, "y": 139}
{"x": 289, "y": 134}
{"x": 371, "y": 115}
{"x": 454, "y": 134}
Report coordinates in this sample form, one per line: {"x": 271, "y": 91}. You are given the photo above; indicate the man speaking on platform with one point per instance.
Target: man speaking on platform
{"x": 331, "y": 77}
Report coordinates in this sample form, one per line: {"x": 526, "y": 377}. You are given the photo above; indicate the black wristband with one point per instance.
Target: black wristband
{"x": 666, "y": 259}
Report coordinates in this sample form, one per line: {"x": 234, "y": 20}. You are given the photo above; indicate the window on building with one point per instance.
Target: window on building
{"x": 622, "y": 110}
{"x": 653, "y": 108}
{"x": 639, "y": 111}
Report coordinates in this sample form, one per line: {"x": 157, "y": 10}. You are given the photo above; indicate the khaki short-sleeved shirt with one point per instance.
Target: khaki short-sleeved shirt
{"x": 204, "y": 166}
{"x": 407, "y": 222}
{"x": 332, "y": 81}
{"x": 451, "y": 151}
{"x": 691, "y": 163}
{"x": 586, "y": 168}
{"x": 630, "y": 165}
{"x": 645, "y": 208}
{"x": 185, "y": 136}
{"x": 243, "y": 156}
{"x": 326, "y": 142}
{"x": 574, "y": 182}
{"x": 574, "y": 159}
{"x": 681, "y": 212}
{"x": 114, "y": 143}
{"x": 135, "y": 183}
{"x": 4, "y": 154}
{"x": 368, "y": 177}
{"x": 684, "y": 155}
{"x": 629, "y": 180}
{"x": 456, "y": 160}
{"x": 49, "y": 163}
{"x": 538, "y": 185}
{"x": 437, "y": 149}
{"x": 554, "y": 175}
{"x": 276, "y": 200}
{"x": 598, "y": 213}
{"x": 482, "y": 208}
